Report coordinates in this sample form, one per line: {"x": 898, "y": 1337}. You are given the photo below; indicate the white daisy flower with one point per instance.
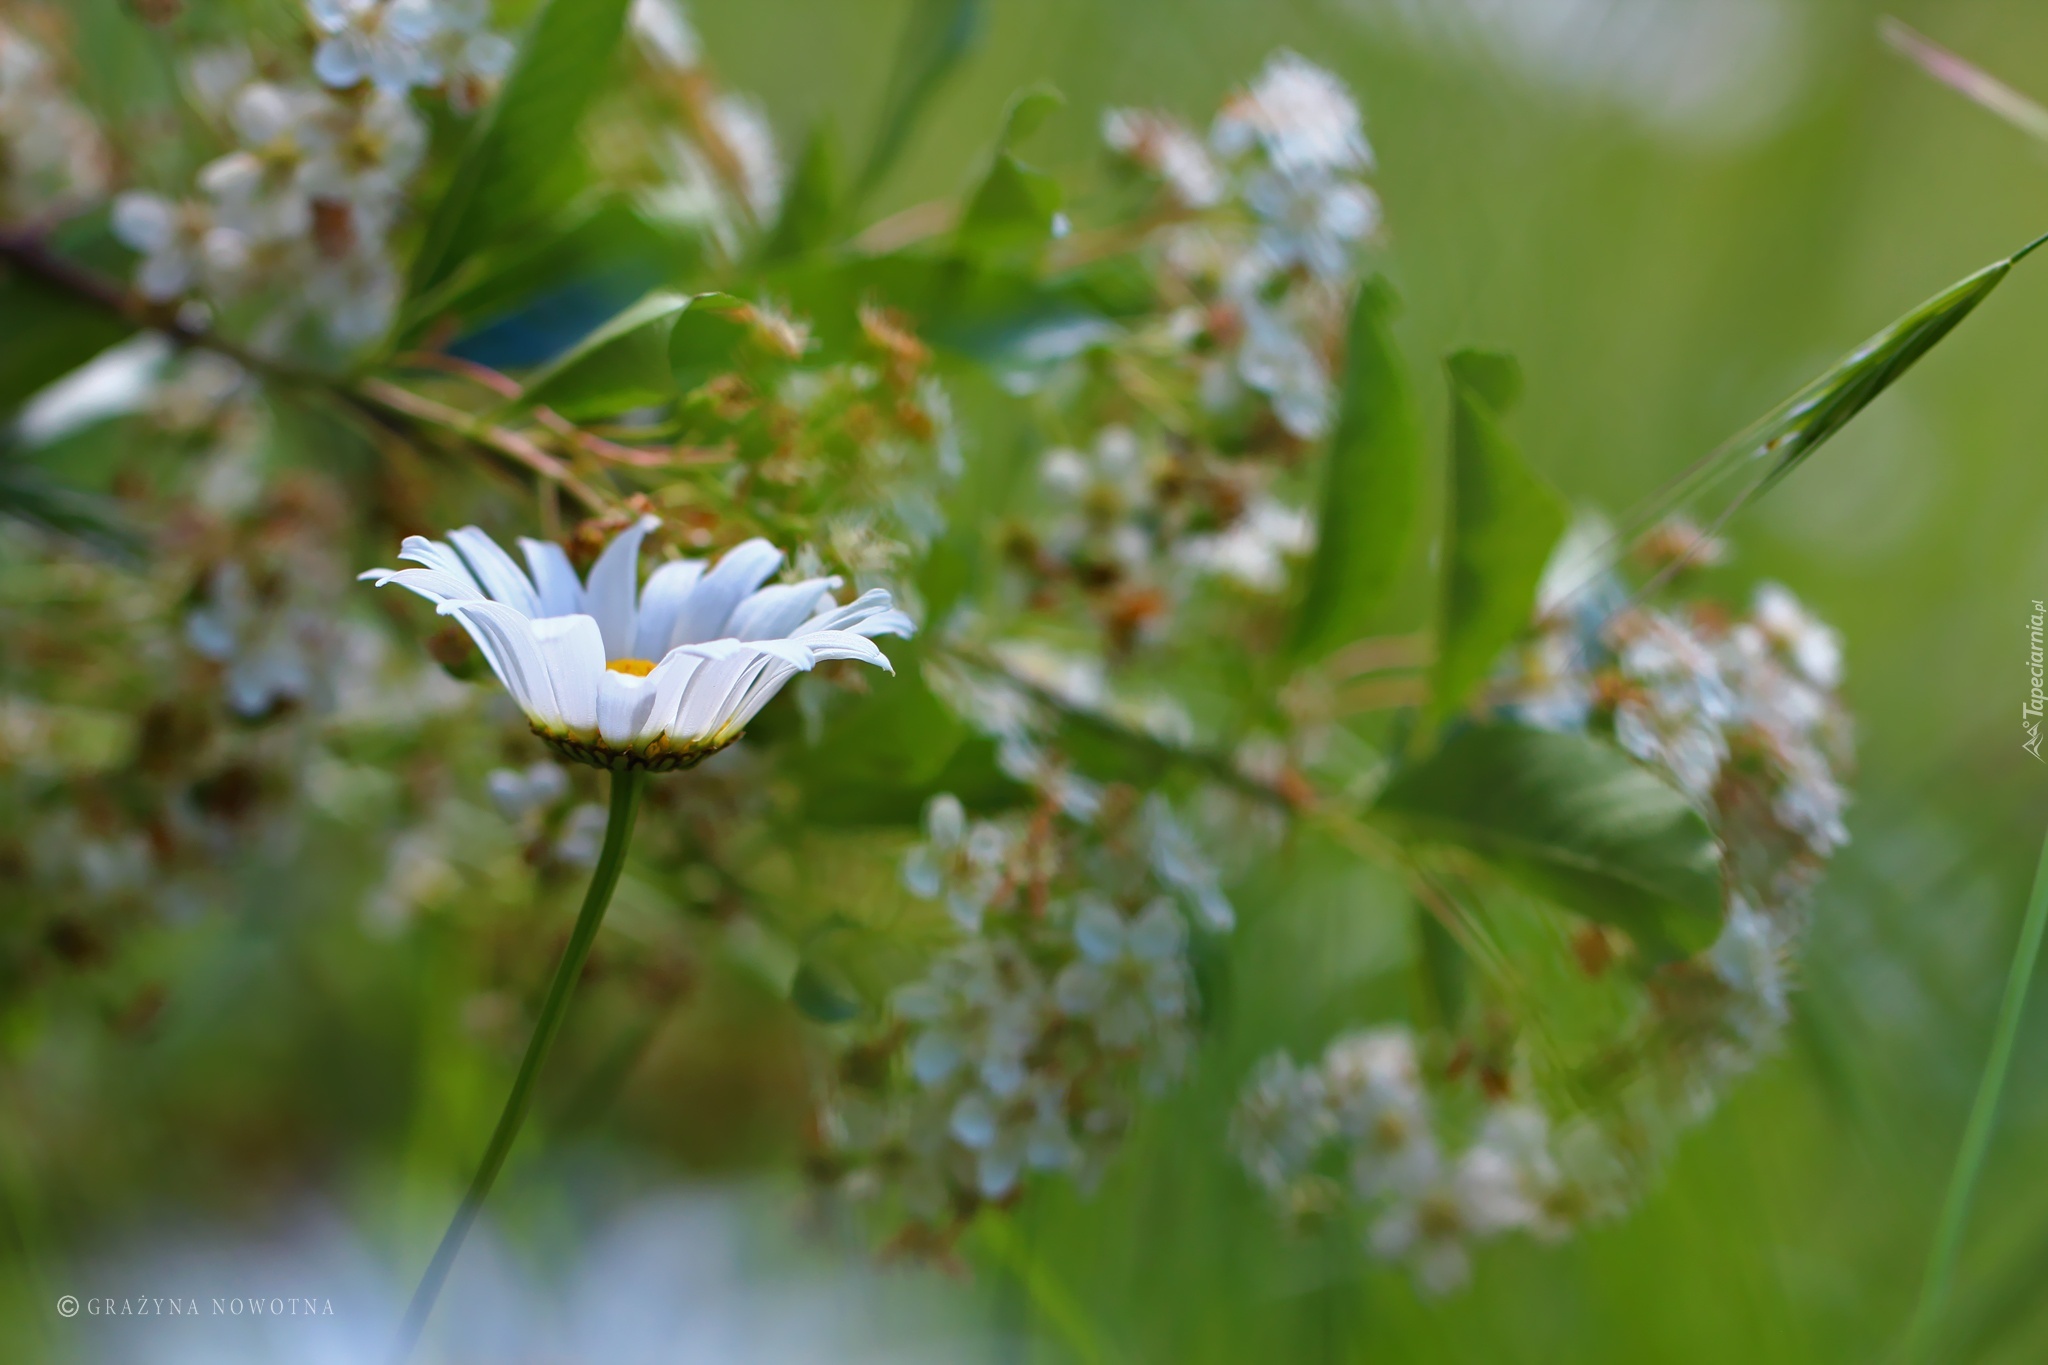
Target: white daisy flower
{"x": 622, "y": 677}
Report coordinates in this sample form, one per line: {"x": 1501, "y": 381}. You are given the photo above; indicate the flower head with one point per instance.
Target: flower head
{"x": 620, "y": 676}
{"x": 384, "y": 42}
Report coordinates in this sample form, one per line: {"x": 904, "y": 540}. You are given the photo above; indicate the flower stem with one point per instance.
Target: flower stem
{"x": 1962, "y": 1185}
{"x": 618, "y": 832}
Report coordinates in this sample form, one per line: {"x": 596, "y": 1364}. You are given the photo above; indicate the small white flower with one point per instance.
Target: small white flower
{"x": 1452, "y": 1205}
{"x": 364, "y": 153}
{"x": 1749, "y": 958}
{"x": 618, "y": 676}
{"x": 384, "y": 42}
{"x": 742, "y": 125}
{"x": 358, "y": 294}
{"x": 472, "y": 59}
{"x": 1281, "y": 1122}
{"x": 1025, "y": 1129}
{"x": 664, "y": 34}
{"x": 1131, "y": 981}
{"x": 52, "y": 155}
{"x": 268, "y": 653}
{"x": 582, "y": 836}
{"x": 1811, "y": 646}
{"x": 1676, "y": 712}
{"x": 1302, "y": 118}
{"x": 963, "y": 861}
{"x": 520, "y": 792}
{"x": 980, "y": 1010}
{"x": 1167, "y": 148}
{"x": 1254, "y": 549}
{"x": 262, "y": 189}
{"x": 1315, "y": 225}
{"x": 1178, "y": 863}
{"x": 1277, "y": 360}
{"x": 183, "y": 247}
{"x": 1374, "y": 1090}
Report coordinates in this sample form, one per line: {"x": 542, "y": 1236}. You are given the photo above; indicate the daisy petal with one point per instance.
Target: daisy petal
{"x": 775, "y": 612}
{"x": 436, "y": 555}
{"x": 614, "y": 582}
{"x": 508, "y": 642}
{"x": 433, "y": 584}
{"x": 560, "y": 593}
{"x": 744, "y": 568}
{"x": 845, "y": 644}
{"x": 668, "y": 680}
{"x": 496, "y": 571}
{"x": 661, "y": 601}
{"x": 872, "y": 606}
{"x": 575, "y": 658}
{"x": 624, "y": 702}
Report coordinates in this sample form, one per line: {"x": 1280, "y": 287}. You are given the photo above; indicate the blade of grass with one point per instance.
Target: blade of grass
{"x": 998, "y": 1234}
{"x": 1962, "y": 1186}
{"x": 1970, "y": 81}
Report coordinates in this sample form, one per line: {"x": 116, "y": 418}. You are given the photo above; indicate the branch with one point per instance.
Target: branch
{"x": 376, "y": 398}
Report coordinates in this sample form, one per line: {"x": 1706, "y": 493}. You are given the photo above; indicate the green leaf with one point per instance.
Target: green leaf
{"x": 510, "y": 173}
{"x": 598, "y": 246}
{"x": 623, "y": 364}
{"x": 810, "y": 206}
{"x": 1372, "y": 485}
{"x": 47, "y": 335}
{"x": 1011, "y": 212}
{"x": 936, "y": 36}
{"x": 1028, "y": 110}
{"x": 29, "y": 494}
{"x": 1503, "y": 520}
{"x": 1576, "y": 821}
{"x": 706, "y": 340}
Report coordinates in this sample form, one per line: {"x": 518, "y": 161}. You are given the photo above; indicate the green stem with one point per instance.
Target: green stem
{"x": 1962, "y": 1185}
{"x": 618, "y": 832}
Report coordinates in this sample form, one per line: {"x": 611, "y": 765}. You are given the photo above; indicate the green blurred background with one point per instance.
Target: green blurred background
{"x": 1673, "y": 211}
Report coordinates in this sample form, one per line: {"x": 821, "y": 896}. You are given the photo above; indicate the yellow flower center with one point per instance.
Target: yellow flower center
{"x": 639, "y": 668}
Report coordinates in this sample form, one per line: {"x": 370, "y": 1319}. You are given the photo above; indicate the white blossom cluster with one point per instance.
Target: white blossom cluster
{"x": 1128, "y": 516}
{"x": 1741, "y": 716}
{"x": 1360, "y": 1129}
{"x": 53, "y": 158}
{"x": 1269, "y": 216}
{"x": 1068, "y": 994}
{"x": 303, "y": 207}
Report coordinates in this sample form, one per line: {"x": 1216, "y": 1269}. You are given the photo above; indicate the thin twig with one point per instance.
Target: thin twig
{"x": 393, "y": 398}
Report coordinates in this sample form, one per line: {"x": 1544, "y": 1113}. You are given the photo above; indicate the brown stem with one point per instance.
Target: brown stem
{"x": 377, "y": 399}
{"x": 392, "y": 398}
